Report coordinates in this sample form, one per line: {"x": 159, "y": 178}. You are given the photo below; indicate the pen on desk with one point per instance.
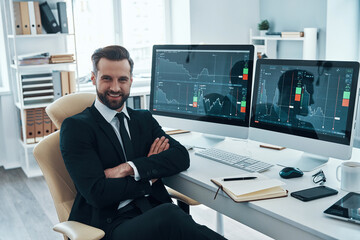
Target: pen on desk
{"x": 238, "y": 178}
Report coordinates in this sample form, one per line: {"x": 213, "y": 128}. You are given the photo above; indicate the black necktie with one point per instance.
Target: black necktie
{"x": 127, "y": 145}
{"x": 142, "y": 203}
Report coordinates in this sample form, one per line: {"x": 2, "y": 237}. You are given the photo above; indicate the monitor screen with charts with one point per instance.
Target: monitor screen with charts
{"x": 204, "y": 88}
{"x": 306, "y": 105}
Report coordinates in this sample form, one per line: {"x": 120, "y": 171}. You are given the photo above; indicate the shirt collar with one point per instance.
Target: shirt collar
{"x": 108, "y": 113}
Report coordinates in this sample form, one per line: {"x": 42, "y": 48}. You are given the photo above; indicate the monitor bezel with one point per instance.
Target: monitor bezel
{"x": 210, "y": 119}
{"x": 299, "y": 132}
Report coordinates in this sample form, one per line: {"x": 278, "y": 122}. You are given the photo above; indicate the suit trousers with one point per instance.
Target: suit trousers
{"x": 165, "y": 221}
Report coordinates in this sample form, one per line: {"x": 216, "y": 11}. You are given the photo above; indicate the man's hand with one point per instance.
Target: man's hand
{"x": 119, "y": 171}
{"x": 159, "y": 145}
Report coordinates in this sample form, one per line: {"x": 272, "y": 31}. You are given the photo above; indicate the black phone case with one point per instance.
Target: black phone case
{"x": 314, "y": 193}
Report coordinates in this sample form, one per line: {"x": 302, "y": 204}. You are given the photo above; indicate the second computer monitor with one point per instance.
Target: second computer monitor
{"x": 306, "y": 105}
{"x": 204, "y": 88}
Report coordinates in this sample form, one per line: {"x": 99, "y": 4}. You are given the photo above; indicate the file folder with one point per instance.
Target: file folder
{"x": 30, "y": 125}
{"x": 64, "y": 83}
{"x": 47, "y": 18}
{"x": 25, "y": 21}
{"x": 53, "y": 127}
{"x": 72, "y": 82}
{"x": 56, "y": 84}
{"x": 39, "y": 124}
{"x": 61, "y": 6}
{"x": 37, "y": 18}
{"x": 17, "y": 18}
{"x": 32, "y": 17}
{"x": 47, "y": 123}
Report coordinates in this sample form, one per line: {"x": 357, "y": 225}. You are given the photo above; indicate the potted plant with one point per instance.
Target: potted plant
{"x": 263, "y": 26}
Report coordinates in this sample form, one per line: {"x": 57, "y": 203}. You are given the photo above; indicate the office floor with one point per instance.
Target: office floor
{"x": 27, "y": 211}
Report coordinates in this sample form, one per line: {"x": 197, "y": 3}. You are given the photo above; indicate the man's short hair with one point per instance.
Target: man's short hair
{"x": 113, "y": 52}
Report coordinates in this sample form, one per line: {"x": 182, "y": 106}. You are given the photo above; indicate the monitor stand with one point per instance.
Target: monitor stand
{"x": 203, "y": 141}
{"x": 307, "y": 162}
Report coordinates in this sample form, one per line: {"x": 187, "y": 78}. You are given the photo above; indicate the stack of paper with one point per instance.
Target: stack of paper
{"x": 292, "y": 34}
{"x": 62, "y": 58}
{"x": 33, "y": 58}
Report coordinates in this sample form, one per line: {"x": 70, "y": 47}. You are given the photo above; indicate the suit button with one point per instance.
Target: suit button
{"x": 109, "y": 220}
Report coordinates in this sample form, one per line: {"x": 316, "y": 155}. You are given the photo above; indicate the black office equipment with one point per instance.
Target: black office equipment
{"x": 314, "y": 193}
{"x": 48, "y": 19}
{"x": 205, "y": 88}
{"x": 347, "y": 208}
{"x": 290, "y": 172}
{"x": 305, "y": 105}
{"x": 61, "y": 6}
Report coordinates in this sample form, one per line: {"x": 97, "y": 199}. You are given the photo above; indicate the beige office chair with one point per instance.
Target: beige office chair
{"x": 47, "y": 154}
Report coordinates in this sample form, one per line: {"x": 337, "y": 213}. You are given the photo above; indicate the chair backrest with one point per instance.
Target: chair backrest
{"x": 48, "y": 156}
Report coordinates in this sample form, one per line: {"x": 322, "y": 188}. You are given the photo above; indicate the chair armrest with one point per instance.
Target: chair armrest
{"x": 79, "y": 231}
{"x": 181, "y": 197}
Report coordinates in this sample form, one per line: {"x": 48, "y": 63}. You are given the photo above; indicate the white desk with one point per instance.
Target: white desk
{"x": 281, "y": 218}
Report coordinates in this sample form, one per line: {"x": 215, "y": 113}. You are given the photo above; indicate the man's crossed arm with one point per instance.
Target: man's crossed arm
{"x": 124, "y": 169}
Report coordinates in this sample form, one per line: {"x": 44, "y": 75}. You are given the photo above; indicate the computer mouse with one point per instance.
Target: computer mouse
{"x": 290, "y": 172}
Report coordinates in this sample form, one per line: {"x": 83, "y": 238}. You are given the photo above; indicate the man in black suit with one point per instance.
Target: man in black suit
{"x": 116, "y": 157}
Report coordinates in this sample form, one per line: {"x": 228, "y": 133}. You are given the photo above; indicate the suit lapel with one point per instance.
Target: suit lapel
{"x": 108, "y": 130}
{"x": 134, "y": 132}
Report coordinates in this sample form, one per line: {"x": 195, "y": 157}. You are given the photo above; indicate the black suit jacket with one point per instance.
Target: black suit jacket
{"x": 89, "y": 145}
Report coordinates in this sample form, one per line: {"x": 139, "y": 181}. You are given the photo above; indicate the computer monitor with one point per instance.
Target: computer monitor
{"x": 306, "y": 105}
{"x": 203, "y": 88}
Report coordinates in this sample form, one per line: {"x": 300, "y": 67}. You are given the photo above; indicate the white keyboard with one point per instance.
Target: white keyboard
{"x": 234, "y": 160}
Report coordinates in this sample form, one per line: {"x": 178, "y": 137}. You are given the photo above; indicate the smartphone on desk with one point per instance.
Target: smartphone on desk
{"x": 314, "y": 193}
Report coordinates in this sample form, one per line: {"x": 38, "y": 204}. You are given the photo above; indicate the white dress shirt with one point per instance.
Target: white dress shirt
{"x": 110, "y": 117}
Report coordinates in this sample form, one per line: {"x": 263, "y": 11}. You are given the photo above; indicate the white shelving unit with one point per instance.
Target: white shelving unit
{"x": 268, "y": 44}
{"x": 53, "y": 43}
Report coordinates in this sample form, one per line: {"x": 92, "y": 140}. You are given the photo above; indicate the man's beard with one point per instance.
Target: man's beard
{"x": 114, "y": 105}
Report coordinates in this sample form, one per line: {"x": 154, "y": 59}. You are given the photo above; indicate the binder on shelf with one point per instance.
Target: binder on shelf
{"x": 30, "y": 125}
{"x": 53, "y": 127}
{"x": 48, "y": 19}
{"x": 72, "y": 82}
{"x": 64, "y": 83}
{"x": 61, "y": 6}
{"x": 32, "y": 17}
{"x": 39, "y": 124}
{"x": 25, "y": 21}
{"x": 37, "y": 18}
{"x": 47, "y": 123}
{"x": 17, "y": 18}
{"x": 57, "y": 84}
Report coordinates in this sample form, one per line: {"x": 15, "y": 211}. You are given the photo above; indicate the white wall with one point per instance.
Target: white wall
{"x": 226, "y": 21}
{"x": 295, "y": 15}
{"x": 180, "y": 21}
{"x": 342, "y": 30}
